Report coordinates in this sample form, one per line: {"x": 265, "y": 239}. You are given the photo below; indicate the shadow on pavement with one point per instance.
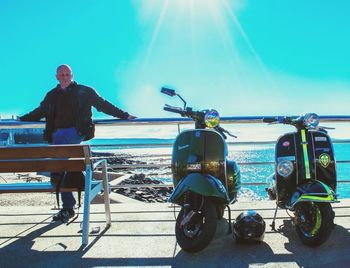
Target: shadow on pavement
{"x": 223, "y": 251}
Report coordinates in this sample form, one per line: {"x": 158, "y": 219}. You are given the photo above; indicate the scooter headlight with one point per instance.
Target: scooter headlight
{"x": 285, "y": 168}
{"x": 212, "y": 118}
{"x": 311, "y": 120}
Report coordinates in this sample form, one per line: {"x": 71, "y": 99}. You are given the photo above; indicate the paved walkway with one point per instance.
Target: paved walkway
{"x": 143, "y": 235}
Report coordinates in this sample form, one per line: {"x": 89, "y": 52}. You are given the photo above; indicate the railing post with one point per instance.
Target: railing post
{"x": 86, "y": 215}
{"x": 106, "y": 193}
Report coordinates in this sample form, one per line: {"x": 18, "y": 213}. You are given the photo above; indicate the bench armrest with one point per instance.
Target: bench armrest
{"x": 95, "y": 165}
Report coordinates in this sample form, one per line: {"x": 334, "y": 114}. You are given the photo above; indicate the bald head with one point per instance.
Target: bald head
{"x": 64, "y": 75}
{"x": 64, "y": 66}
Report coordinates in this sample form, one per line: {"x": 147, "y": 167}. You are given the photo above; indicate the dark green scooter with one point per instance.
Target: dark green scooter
{"x": 205, "y": 180}
{"x": 305, "y": 177}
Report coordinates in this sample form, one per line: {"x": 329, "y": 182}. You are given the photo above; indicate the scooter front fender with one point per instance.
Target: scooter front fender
{"x": 205, "y": 185}
{"x": 314, "y": 191}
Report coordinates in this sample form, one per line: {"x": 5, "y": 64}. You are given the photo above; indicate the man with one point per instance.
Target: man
{"x": 67, "y": 110}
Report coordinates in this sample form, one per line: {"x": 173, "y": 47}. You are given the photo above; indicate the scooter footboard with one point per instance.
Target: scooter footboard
{"x": 205, "y": 185}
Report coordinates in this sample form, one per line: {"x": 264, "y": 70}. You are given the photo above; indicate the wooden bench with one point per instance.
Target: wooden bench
{"x": 56, "y": 158}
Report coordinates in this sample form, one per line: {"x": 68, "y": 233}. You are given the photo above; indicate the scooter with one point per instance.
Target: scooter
{"x": 205, "y": 181}
{"x": 305, "y": 177}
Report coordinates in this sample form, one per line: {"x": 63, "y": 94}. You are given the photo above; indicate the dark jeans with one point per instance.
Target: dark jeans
{"x": 67, "y": 136}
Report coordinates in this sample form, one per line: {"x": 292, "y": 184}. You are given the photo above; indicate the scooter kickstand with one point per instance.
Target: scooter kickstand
{"x": 229, "y": 220}
{"x": 274, "y": 219}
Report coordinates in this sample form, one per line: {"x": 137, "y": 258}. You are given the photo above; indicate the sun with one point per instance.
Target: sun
{"x": 198, "y": 21}
{"x": 189, "y": 15}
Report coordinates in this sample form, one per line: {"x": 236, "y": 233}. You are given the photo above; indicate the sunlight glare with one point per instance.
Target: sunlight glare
{"x": 155, "y": 33}
{"x": 201, "y": 29}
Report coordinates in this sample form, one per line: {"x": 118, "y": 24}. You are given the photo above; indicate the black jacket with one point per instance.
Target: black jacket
{"x": 84, "y": 97}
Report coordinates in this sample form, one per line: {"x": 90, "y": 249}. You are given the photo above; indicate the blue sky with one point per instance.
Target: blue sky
{"x": 241, "y": 57}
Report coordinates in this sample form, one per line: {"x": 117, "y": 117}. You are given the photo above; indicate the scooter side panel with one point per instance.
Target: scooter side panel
{"x": 286, "y": 150}
{"x": 233, "y": 179}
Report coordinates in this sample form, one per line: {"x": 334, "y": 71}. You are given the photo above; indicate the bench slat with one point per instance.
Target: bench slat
{"x": 49, "y": 188}
{"x": 27, "y": 187}
{"x": 49, "y": 151}
{"x": 38, "y": 187}
{"x": 43, "y": 165}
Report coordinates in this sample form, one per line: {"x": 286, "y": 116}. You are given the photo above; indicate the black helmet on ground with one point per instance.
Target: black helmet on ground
{"x": 249, "y": 226}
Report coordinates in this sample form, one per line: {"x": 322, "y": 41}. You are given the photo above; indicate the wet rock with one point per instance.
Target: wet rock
{"x": 149, "y": 195}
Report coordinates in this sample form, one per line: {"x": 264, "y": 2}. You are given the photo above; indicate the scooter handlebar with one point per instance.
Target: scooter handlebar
{"x": 173, "y": 109}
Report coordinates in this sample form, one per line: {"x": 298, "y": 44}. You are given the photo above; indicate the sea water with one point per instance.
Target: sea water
{"x": 152, "y": 151}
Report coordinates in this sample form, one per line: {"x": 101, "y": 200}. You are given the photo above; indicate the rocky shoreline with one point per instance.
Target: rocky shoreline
{"x": 151, "y": 194}
{"x": 143, "y": 194}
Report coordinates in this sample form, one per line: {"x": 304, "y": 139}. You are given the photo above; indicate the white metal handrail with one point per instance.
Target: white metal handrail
{"x": 12, "y": 123}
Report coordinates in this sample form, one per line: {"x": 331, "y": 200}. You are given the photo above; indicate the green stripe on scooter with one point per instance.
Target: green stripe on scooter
{"x": 306, "y": 157}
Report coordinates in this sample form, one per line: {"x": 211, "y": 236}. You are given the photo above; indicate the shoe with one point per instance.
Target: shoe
{"x": 64, "y": 215}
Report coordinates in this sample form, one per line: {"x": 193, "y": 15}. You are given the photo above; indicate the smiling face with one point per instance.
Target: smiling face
{"x": 64, "y": 75}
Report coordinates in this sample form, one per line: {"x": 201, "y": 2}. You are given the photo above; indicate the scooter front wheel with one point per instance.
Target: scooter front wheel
{"x": 195, "y": 227}
{"x": 314, "y": 222}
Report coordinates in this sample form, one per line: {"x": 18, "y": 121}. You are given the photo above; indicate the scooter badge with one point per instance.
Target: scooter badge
{"x": 286, "y": 144}
{"x": 324, "y": 160}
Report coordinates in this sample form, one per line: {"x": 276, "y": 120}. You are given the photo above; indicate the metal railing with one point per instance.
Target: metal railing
{"x": 11, "y": 123}
{"x": 15, "y": 124}
{"x": 168, "y": 165}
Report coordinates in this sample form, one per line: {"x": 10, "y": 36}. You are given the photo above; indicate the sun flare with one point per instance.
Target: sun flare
{"x": 194, "y": 23}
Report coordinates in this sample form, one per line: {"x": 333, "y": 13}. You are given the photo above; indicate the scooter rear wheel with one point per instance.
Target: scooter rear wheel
{"x": 314, "y": 222}
{"x": 196, "y": 234}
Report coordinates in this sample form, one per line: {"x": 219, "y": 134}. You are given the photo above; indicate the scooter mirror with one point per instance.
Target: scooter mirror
{"x": 168, "y": 91}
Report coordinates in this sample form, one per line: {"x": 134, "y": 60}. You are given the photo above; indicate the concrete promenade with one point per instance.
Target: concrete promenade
{"x": 142, "y": 235}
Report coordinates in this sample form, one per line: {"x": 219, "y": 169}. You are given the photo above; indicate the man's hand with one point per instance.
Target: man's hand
{"x": 130, "y": 117}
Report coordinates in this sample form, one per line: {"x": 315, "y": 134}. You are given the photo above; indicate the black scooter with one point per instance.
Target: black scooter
{"x": 305, "y": 177}
{"x": 205, "y": 180}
